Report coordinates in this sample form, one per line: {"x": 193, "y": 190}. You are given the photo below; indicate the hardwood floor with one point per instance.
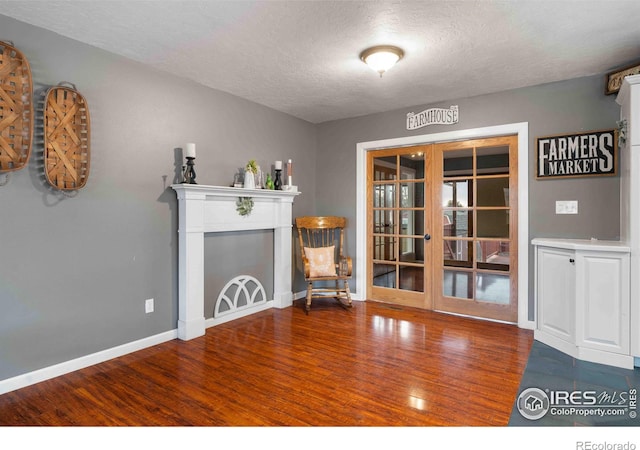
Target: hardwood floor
{"x": 373, "y": 365}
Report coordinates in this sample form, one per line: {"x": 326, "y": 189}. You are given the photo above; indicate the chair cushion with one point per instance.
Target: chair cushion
{"x": 321, "y": 263}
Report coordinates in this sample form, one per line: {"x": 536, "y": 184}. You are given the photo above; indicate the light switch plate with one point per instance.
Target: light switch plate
{"x": 566, "y": 207}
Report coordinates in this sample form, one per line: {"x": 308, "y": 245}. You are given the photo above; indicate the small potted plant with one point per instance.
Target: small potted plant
{"x": 250, "y": 170}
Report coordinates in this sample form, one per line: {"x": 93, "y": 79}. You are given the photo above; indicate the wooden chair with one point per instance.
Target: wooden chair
{"x": 321, "y": 247}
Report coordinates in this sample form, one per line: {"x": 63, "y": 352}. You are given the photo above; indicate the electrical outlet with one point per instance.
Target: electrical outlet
{"x": 567, "y": 207}
{"x": 148, "y": 305}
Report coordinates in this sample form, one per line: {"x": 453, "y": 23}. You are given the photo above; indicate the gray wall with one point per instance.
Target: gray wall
{"x": 557, "y": 108}
{"x": 227, "y": 255}
{"x": 74, "y": 272}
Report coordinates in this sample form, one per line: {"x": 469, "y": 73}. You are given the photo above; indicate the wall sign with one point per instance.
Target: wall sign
{"x": 586, "y": 154}
{"x": 432, "y": 116}
{"x": 615, "y": 78}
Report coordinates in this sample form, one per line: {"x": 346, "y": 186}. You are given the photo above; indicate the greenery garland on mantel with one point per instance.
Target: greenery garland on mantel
{"x": 244, "y": 205}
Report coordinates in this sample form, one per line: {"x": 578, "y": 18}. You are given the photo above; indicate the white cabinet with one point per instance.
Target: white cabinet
{"x": 602, "y": 301}
{"x": 556, "y": 293}
{"x": 582, "y": 298}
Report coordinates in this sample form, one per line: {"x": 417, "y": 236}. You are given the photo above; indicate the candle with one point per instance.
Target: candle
{"x": 190, "y": 150}
{"x": 278, "y": 165}
{"x": 289, "y": 169}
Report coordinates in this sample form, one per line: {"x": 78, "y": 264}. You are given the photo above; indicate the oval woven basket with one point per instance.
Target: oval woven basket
{"x": 16, "y": 108}
{"x": 66, "y": 138}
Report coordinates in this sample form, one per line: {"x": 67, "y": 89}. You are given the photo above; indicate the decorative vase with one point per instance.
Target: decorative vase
{"x": 269, "y": 182}
{"x": 258, "y": 178}
{"x": 249, "y": 180}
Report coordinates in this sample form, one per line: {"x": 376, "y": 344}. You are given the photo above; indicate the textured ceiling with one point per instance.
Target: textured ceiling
{"x": 301, "y": 57}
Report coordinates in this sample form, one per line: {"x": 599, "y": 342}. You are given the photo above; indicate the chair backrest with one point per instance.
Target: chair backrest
{"x": 322, "y": 231}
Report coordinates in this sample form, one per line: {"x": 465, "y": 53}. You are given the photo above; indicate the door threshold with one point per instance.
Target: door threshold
{"x": 467, "y": 316}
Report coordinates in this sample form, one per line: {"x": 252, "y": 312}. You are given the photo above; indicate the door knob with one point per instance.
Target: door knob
{"x": 427, "y": 237}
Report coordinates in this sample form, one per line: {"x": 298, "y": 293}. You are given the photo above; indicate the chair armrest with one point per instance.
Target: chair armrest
{"x": 307, "y": 266}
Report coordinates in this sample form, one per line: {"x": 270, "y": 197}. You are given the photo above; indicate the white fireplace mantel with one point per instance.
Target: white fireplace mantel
{"x": 209, "y": 209}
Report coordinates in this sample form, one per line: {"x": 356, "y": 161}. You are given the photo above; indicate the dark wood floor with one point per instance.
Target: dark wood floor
{"x": 373, "y": 365}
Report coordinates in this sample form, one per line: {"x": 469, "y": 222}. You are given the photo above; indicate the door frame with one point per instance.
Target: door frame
{"x": 521, "y": 129}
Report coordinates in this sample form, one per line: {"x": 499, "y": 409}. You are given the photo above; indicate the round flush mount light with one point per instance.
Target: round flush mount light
{"x": 382, "y": 57}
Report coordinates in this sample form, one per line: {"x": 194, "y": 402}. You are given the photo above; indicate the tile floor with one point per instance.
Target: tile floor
{"x": 551, "y": 370}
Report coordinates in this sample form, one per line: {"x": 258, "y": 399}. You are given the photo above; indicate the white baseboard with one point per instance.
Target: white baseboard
{"x": 213, "y": 321}
{"x": 46, "y": 373}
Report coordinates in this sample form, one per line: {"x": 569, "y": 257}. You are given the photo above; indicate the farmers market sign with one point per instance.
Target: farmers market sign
{"x": 591, "y": 153}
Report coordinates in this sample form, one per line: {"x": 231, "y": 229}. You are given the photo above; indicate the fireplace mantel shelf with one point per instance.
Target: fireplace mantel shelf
{"x": 226, "y": 191}
{"x": 209, "y": 209}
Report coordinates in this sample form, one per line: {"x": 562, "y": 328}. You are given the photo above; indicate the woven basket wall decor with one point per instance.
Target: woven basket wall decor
{"x": 66, "y": 138}
{"x": 16, "y": 108}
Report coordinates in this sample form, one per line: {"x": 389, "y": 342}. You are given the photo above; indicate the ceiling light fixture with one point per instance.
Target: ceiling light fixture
{"x": 382, "y": 57}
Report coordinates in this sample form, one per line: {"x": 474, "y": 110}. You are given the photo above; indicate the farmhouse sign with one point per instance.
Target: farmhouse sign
{"x": 577, "y": 155}
{"x": 433, "y": 116}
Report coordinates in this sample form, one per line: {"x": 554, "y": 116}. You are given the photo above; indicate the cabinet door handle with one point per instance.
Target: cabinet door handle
{"x": 571, "y": 260}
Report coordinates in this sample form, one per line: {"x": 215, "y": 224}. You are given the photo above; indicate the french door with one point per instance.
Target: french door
{"x": 443, "y": 227}
{"x": 398, "y": 194}
{"x": 477, "y": 224}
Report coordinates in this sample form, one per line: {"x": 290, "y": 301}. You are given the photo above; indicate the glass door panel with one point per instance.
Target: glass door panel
{"x": 412, "y": 278}
{"x": 412, "y": 166}
{"x": 457, "y": 222}
{"x": 412, "y": 194}
{"x": 385, "y": 168}
{"x": 477, "y": 238}
{"x": 412, "y": 250}
{"x": 384, "y": 275}
{"x": 493, "y": 191}
{"x": 457, "y": 163}
{"x": 412, "y": 222}
{"x": 458, "y": 284}
{"x": 492, "y": 160}
{"x": 458, "y": 253}
{"x": 385, "y": 247}
{"x": 384, "y": 221}
{"x": 493, "y": 288}
{"x": 385, "y": 196}
{"x": 457, "y": 193}
{"x": 493, "y": 255}
{"x": 493, "y": 223}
